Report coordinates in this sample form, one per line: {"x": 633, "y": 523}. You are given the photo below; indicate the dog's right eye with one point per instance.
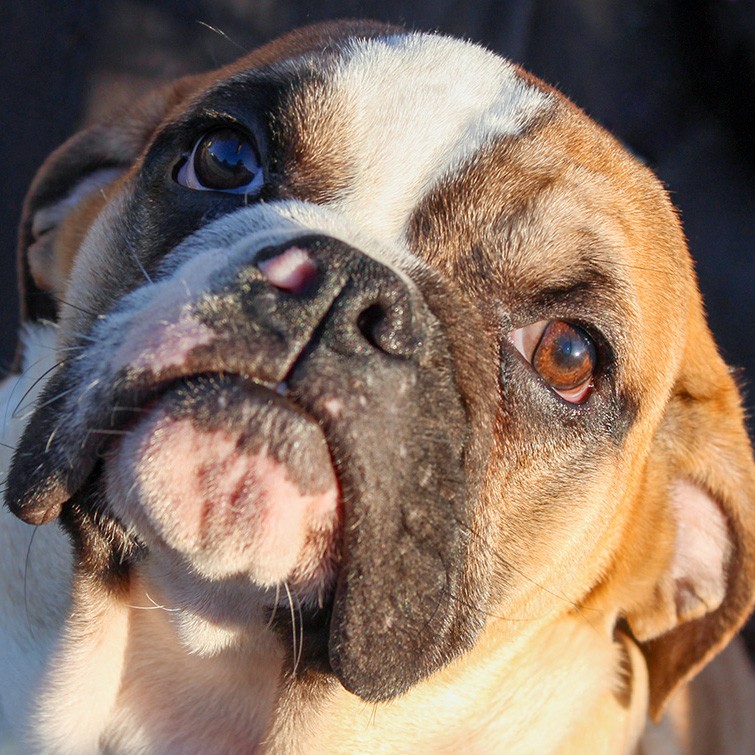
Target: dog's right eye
{"x": 562, "y": 353}
{"x": 224, "y": 159}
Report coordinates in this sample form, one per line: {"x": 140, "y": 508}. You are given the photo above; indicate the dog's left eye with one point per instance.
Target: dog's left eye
{"x": 224, "y": 159}
{"x": 562, "y": 353}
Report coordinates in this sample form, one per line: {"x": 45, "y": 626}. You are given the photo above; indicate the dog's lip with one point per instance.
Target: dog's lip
{"x": 209, "y": 406}
{"x": 131, "y": 403}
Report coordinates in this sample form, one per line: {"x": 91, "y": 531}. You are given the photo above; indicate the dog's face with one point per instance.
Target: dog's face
{"x": 376, "y": 326}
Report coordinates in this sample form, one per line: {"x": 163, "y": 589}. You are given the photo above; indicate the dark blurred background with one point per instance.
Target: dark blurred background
{"x": 674, "y": 79}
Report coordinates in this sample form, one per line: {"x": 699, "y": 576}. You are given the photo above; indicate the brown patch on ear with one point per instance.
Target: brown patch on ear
{"x": 703, "y": 453}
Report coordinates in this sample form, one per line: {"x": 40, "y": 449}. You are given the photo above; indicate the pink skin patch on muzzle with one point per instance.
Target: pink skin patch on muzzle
{"x": 161, "y": 338}
{"x": 293, "y": 270}
{"x": 166, "y": 331}
{"x": 228, "y": 510}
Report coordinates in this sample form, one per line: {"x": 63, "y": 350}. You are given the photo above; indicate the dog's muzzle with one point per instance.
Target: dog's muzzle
{"x": 229, "y": 465}
{"x": 297, "y": 421}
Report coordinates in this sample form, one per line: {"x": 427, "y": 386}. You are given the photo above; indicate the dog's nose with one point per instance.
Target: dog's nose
{"x": 370, "y": 304}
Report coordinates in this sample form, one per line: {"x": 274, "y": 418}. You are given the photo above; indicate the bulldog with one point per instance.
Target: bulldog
{"x": 370, "y": 388}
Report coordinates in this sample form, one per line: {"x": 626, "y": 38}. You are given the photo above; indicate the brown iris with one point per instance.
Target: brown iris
{"x": 565, "y": 357}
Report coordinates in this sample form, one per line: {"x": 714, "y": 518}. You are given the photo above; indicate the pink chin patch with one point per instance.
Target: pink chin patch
{"x": 228, "y": 504}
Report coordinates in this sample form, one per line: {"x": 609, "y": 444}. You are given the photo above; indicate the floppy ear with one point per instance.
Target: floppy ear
{"x": 65, "y": 198}
{"x": 703, "y": 462}
{"x": 70, "y": 189}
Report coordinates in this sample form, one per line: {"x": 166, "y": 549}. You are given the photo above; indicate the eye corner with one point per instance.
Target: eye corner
{"x": 179, "y": 165}
{"x": 526, "y": 338}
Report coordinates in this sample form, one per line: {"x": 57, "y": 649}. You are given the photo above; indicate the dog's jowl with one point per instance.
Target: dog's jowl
{"x": 366, "y": 398}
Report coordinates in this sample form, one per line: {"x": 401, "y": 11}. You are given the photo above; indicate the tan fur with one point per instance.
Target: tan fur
{"x": 467, "y": 709}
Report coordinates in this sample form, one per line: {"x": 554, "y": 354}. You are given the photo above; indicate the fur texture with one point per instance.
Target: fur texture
{"x": 315, "y": 490}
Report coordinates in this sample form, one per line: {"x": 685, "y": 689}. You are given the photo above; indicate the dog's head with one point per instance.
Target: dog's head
{"x": 375, "y": 323}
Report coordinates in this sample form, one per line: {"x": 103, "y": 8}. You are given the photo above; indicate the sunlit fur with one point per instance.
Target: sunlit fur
{"x": 608, "y": 588}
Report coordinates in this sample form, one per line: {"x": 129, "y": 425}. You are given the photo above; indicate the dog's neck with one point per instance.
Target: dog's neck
{"x": 564, "y": 673}
{"x": 504, "y": 697}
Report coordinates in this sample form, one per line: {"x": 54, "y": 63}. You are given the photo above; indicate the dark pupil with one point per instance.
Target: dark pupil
{"x": 225, "y": 159}
{"x": 565, "y": 356}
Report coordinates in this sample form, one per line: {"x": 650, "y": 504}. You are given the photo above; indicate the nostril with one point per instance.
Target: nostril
{"x": 372, "y": 325}
{"x": 293, "y": 270}
{"x": 387, "y": 328}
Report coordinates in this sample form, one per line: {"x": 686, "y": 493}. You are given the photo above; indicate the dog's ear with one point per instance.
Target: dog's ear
{"x": 702, "y": 466}
{"x": 70, "y": 189}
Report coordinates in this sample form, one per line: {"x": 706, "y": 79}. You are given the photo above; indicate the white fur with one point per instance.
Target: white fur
{"x": 35, "y": 563}
{"x": 420, "y": 107}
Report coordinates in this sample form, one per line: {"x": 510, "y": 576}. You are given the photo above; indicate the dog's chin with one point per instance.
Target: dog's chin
{"x": 234, "y": 479}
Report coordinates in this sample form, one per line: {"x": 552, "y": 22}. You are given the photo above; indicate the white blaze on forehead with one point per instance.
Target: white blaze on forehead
{"x": 419, "y": 107}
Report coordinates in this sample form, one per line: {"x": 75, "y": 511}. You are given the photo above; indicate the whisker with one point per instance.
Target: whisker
{"x": 293, "y": 626}
{"x": 140, "y": 265}
{"x": 86, "y": 390}
{"x": 34, "y": 408}
{"x": 275, "y": 606}
{"x": 75, "y": 335}
{"x": 38, "y": 345}
{"x": 580, "y": 610}
{"x": 26, "y": 582}
{"x": 223, "y": 35}
{"x": 130, "y": 409}
{"x": 34, "y": 384}
{"x": 78, "y": 308}
{"x": 53, "y": 433}
{"x": 301, "y": 633}
{"x": 154, "y": 607}
{"x": 50, "y": 439}
{"x": 101, "y": 431}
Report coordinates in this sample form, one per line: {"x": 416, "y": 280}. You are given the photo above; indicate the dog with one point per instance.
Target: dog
{"x": 369, "y": 386}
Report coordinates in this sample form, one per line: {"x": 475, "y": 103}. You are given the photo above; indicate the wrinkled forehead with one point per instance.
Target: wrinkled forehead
{"x": 450, "y": 146}
{"x": 375, "y": 123}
